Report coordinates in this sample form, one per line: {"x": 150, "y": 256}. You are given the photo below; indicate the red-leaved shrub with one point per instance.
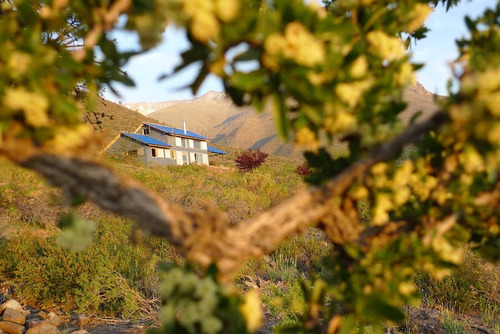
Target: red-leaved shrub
{"x": 303, "y": 170}
{"x": 249, "y": 160}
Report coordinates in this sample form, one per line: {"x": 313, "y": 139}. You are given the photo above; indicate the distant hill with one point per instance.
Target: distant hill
{"x": 146, "y": 108}
{"x": 216, "y": 117}
{"x": 418, "y": 99}
{"x": 115, "y": 118}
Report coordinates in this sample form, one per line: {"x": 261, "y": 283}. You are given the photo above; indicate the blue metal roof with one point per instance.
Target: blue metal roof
{"x": 145, "y": 139}
{"x": 177, "y": 132}
{"x": 212, "y": 149}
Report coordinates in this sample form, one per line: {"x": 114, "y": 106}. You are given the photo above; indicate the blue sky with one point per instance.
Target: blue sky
{"x": 436, "y": 52}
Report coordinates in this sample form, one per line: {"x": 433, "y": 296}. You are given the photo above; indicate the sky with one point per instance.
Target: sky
{"x": 436, "y": 52}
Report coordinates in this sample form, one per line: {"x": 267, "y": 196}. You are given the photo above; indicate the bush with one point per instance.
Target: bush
{"x": 470, "y": 288}
{"x": 303, "y": 170}
{"x": 250, "y": 160}
{"x": 110, "y": 277}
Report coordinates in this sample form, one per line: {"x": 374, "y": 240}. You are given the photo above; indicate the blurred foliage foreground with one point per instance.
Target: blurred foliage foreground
{"x": 335, "y": 72}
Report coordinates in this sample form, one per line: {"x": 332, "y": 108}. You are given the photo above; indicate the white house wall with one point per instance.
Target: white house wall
{"x": 178, "y": 155}
{"x": 161, "y": 158}
{"x": 191, "y": 145}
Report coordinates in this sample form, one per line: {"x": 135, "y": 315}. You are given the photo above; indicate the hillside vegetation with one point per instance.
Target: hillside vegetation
{"x": 44, "y": 273}
{"x": 112, "y": 277}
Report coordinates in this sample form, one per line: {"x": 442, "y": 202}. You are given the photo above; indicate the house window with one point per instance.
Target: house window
{"x": 183, "y": 142}
{"x": 145, "y": 131}
{"x": 197, "y": 144}
{"x": 154, "y": 153}
{"x": 161, "y": 153}
{"x": 173, "y": 155}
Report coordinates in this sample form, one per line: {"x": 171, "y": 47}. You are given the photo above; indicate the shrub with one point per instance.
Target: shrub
{"x": 472, "y": 287}
{"x": 250, "y": 160}
{"x": 110, "y": 277}
{"x": 303, "y": 170}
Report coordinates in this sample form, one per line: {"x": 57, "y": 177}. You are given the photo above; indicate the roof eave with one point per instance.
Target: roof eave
{"x": 174, "y": 134}
{"x": 154, "y": 145}
{"x": 144, "y": 143}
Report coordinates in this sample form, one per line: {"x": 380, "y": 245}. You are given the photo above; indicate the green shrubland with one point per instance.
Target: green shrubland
{"x": 115, "y": 277}
{"x": 109, "y": 277}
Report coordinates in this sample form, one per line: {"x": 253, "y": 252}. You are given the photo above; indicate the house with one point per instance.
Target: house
{"x": 156, "y": 144}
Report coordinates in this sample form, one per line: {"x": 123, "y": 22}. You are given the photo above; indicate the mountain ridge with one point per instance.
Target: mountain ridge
{"x": 215, "y": 116}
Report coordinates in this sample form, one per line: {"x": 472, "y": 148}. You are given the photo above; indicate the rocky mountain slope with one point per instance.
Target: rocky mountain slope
{"x": 216, "y": 117}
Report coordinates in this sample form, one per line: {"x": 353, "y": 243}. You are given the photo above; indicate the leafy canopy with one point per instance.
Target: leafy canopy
{"x": 336, "y": 72}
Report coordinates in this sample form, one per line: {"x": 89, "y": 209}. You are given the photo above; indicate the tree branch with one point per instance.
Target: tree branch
{"x": 207, "y": 237}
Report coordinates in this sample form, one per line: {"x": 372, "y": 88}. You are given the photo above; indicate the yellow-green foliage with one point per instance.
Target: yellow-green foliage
{"x": 337, "y": 71}
{"x": 112, "y": 276}
{"x": 105, "y": 278}
{"x": 239, "y": 195}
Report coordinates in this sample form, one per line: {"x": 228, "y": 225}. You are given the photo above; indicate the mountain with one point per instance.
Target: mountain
{"x": 216, "y": 117}
{"x": 419, "y": 99}
{"x": 145, "y": 108}
{"x": 109, "y": 119}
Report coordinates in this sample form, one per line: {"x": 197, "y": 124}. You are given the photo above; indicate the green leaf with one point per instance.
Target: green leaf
{"x": 248, "y": 81}
{"x": 199, "y": 79}
{"x": 471, "y": 25}
{"x": 415, "y": 117}
{"x": 381, "y": 309}
{"x": 318, "y": 160}
{"x": 250, "y": 54}
{"x": 352, "y": 250}
{"x": 237, "y": 95}
{"x": 77, "y": 232}
{"x": 258, "y": 102}
{"x": 315, "y": 115}
{"x": 281, "y": 117}
{"x": 189, "y": 57}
